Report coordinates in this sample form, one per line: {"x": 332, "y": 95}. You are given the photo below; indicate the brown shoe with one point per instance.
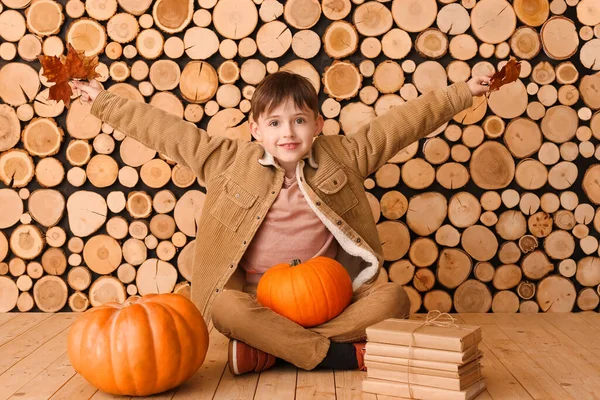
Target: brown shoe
{"x": 244, "y": 358}
{"x": 360, "y": 348}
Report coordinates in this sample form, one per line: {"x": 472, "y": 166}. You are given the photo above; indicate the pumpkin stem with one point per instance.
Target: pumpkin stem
{"x": 295, "y": 261}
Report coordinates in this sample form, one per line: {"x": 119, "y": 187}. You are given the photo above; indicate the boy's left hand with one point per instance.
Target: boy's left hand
{"x": 89, "y": 91}
{"x": 479, "y": 85}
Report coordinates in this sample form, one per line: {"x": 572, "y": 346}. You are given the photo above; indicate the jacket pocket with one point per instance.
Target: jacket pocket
{"x": 337, "y": 192}
{"x": 232, "y": 205}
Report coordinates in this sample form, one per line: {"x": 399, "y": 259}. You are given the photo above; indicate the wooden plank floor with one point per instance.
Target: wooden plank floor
{"x": 541, "y": 356}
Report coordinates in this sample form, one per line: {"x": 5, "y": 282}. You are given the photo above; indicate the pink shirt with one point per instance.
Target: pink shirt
{"x": 290, "y": 230}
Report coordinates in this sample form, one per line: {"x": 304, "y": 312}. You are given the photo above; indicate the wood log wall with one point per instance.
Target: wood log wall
{"x": 495, "y": 211}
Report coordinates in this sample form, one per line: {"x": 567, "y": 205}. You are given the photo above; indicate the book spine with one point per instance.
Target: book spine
{"x": 418, "y": 340}
{"x": 414, "y": 370}
{"x": 398, "y": 389}
{"x": 415, "y": 379}
{"x": 414, "y": 363}
{"x": 383, "y": 349}
{"x": 388, "y": 388}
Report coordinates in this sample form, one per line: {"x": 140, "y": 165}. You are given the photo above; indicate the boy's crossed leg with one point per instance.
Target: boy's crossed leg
{"x": 238, "y": 315}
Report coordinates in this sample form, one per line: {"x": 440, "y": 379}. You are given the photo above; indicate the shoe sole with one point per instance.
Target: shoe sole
{"x": 232, "y": 359}
{"x": 233, "y": 368}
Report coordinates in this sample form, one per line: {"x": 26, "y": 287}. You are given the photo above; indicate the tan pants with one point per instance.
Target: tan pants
{"x": 238, "y": 315}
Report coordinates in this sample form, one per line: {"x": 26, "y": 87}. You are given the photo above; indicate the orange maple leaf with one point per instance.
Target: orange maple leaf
{"x": 76, "y": 66}
{"x": 509, "y": 73}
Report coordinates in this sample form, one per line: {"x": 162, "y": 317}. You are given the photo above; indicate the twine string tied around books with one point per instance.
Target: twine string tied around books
{"x": 434, "y": 318}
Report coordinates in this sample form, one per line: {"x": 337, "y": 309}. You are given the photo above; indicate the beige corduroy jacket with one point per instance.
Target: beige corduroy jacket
{"x": 242, "y": 180}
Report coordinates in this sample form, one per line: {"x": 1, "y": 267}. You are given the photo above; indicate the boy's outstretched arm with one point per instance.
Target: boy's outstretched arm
{"x": 384, "y": 136}
{"x": 166, "y": 133}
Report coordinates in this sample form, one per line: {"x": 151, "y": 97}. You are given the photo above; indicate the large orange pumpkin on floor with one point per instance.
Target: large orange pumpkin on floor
{"x": 308, "y": 293}
{"x": 144, "y": 346}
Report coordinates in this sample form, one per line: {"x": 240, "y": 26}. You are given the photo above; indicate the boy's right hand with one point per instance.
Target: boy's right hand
{"x": 89, "y": 91}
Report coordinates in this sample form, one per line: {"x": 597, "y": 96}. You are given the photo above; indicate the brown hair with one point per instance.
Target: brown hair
{"x": 276, "y": 88}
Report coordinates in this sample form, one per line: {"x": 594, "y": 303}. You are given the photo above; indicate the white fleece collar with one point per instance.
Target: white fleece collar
{"x": 344, "y": 241}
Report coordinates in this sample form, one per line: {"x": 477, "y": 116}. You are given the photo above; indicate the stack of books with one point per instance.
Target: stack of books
{"x": 406, "y": 358}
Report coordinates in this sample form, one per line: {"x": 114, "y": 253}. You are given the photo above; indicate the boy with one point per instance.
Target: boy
{"x": 284, "y": 197}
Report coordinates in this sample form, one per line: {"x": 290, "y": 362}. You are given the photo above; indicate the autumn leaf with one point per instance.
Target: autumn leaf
{"x": 75, "y": 66}
{"x": 509, "y": 73}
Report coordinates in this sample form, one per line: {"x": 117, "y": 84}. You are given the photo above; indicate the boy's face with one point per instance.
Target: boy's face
{"x": 287, "y": 124}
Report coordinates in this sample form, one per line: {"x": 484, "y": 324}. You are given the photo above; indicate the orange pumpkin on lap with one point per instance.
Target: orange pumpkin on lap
{"x": 309, "y": 293}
